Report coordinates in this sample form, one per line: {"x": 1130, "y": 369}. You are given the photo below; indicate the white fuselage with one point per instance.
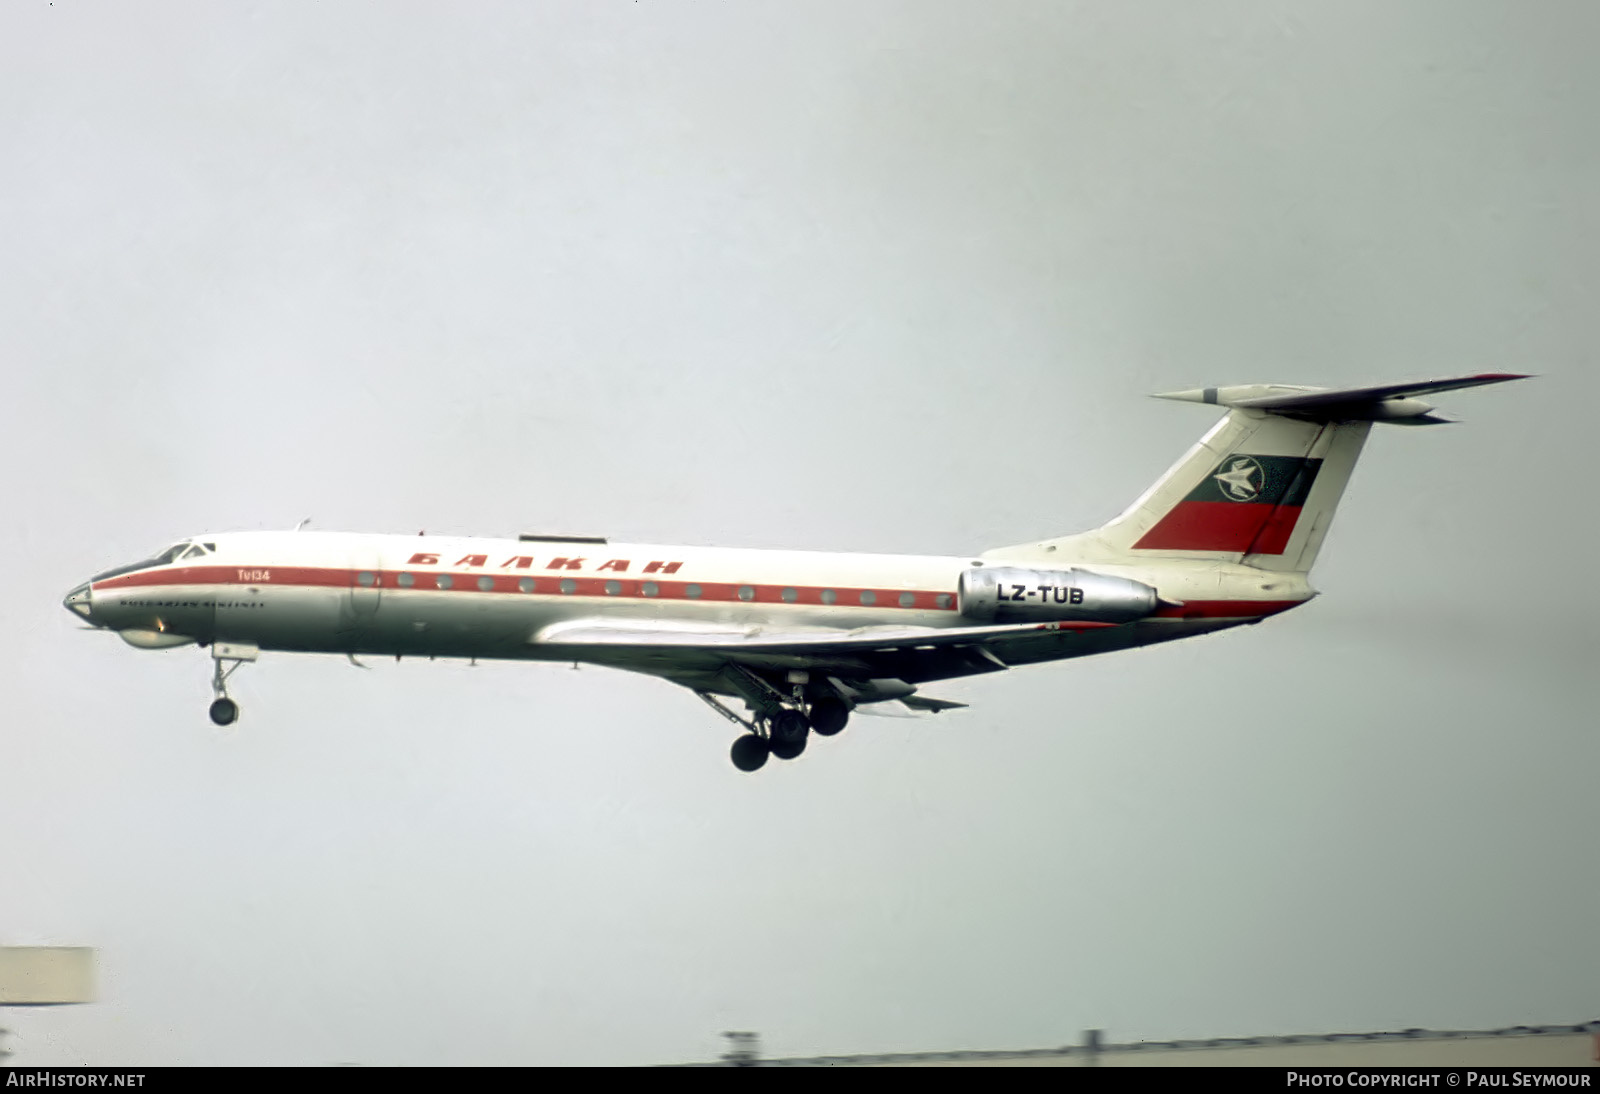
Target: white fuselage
{"x": 474, "y": 597}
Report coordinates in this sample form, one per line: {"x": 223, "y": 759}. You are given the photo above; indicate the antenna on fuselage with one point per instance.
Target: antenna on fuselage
{"x": 302, "y": 524}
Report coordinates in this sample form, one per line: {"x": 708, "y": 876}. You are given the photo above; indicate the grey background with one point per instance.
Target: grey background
{"x": 858, "y": 277}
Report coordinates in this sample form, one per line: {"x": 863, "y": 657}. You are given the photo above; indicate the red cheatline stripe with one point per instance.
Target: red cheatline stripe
{"x": 1221, "y": 526}
{"x": 230, "y": 575}
{"x": 545, "y": 584}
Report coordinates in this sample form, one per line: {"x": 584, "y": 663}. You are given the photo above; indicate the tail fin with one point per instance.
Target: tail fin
{"x": 1261, "y": 487}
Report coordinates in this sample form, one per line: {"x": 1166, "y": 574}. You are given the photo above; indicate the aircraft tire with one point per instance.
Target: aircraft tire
{"x": 787, "y": 750}
{"x": 750, "y": 752}
{"x": 224, "y": 712}
{"x": 789, "y": 725}
{"x": 828, "y": 716}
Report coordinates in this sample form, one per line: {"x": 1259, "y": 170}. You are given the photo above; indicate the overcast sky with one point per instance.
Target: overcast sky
{"x": 846, "y": 276}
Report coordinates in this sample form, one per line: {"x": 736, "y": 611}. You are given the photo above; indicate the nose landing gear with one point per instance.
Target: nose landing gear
{"x": 224, "y": 711}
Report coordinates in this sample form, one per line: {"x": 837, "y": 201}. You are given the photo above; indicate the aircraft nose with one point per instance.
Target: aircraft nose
{"x": 79, "y": 602}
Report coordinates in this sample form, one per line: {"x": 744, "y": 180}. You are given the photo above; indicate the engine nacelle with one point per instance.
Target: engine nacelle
{"x": 1008, "y": 594}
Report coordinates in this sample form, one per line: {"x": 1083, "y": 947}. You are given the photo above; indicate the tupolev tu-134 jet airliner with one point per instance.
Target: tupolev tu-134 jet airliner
{"x": 1226, "y": 537}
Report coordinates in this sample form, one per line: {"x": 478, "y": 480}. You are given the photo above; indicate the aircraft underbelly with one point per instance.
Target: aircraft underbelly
{"x": 427, "y": 624}
{"x": 279, "y": 617}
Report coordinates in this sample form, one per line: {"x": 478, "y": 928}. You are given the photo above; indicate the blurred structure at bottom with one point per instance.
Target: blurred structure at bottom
{"x": 1516, "y": 1046}
{"x": 44, "y": 976}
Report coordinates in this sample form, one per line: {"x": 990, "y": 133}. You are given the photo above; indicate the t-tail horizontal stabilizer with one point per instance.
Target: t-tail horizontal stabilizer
{"x": 1393, "y": 403}
{"x": 1260, "y": 488}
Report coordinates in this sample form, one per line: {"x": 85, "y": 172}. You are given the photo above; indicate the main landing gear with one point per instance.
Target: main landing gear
{"x": 224, "y": 711}
{"x": 783, "y": 732}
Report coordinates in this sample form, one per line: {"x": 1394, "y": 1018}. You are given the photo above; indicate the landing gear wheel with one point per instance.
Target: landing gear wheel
{"x": 750, "y": 752}
{"x": 828, "y": 716}
{"x": 787, "y": 750}
{"x": 789, "y": 726}
{"x": 788, "y": 730}
{"x": 224, "y": 711}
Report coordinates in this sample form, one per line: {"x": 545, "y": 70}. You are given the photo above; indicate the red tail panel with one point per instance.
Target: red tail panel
{"x": 1221, "y": 526}
{"x": 1274, "y": 537}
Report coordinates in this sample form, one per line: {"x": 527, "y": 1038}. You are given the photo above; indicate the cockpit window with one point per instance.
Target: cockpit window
{"x": 168, "y": 555}
{"x": 194, "y": 551}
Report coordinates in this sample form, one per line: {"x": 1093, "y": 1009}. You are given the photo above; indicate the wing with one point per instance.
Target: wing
{"x": 695, "y": 655}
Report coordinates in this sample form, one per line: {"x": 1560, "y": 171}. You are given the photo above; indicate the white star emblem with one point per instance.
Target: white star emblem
{"x": 1236, "y": 480}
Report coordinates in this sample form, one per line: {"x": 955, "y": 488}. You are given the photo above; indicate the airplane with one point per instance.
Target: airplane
{"x": 1227, "y": 537}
